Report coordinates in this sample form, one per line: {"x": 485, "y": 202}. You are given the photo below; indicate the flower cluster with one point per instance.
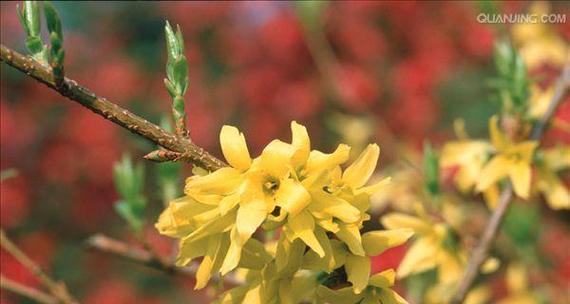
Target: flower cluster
{"x": 316, "y": 208}
{"x": 482, "y": 164}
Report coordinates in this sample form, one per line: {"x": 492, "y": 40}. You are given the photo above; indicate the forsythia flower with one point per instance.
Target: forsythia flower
{"x": 379, "y": 290}
{"x": 553, "y": 189}
{"x": 430, "y": 249}
{"x": 512, "y": 160}
{"x": 316, "y": 207}
{"x": 435, "y": 247}
{"x": 517, "y": 285}
{"x": 537, "y": 42}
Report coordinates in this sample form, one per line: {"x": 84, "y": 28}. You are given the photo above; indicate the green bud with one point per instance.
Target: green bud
{"x": 29, "y": 16}
{"x": 177, "y": 79}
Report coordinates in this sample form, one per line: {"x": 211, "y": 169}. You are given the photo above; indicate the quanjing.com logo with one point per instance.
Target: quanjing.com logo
{"x": 521, "y": 18}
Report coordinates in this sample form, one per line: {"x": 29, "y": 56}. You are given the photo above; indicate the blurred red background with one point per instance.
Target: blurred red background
{"x": 403, "y": 69}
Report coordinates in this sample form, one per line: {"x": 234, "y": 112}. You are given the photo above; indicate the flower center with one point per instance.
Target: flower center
{"x": 270, "y": 185}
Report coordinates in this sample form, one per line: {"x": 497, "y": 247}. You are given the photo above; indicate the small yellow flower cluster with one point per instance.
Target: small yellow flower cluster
{"x": 435, "y": 247}
{"x": 482, "y": 164}
{"x": 316, "y": 207}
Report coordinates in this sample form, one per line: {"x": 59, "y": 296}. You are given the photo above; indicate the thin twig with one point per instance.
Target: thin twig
{"x": 143, "y": 257}
{"x": 481, "y": 251}
{"x": 111, "y": 111}
{"x": 26, "y": 292}
{"x": 57, "y": 289}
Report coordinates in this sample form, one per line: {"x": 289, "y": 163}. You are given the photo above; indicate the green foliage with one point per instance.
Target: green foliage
{"x": 129, "y": 182}
{"x": 29, "y": 15}
{"x": 56, "y": 54}
{"x": 522, "y": 224}
{"x": 512, "y": 82}
{"x": 177, "y": 65}
{"x": 431, "y": 168}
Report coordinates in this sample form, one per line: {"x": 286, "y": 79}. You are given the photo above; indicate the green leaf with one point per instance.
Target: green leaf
{"x": 512, "y": 83}
{"x": 129, "y": 181}
{"x": 29, "y": 16}
{"x": 431, "y": 167}
{"x": 52, "y": 20}
{"x": 56, "y": 54}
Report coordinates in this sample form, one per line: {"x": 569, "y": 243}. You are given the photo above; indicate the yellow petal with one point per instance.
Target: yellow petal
{"x": 557, "y": 158}
{"x": 292, "y": 196}
{"x": 216, "y": 225}
{"x": 234, "y": 148}
{"x": 176, "y": 219}
{"x": 302, "y": 226}
{"x": 222, "y": 181}
{"x": 420, "y": 257}
{"x": 331, "y": 205}
{"x": 217, "y": 247}
{"x": 285, "y": 292}
{"x": 328, "y": 224}
{"x": 275, "y": 159}
{"x": 490, "y": 265}
{"x": 389, "y": 296}
{"x": 357, "y": 271}
{"x": 350, "y": 235}
{"x": 253, "y": 296}
{"x": 496, "y": 169}
{"x": 384, "y": 279}
{"x": 233, "y": 255}
{"x": 517, "y": 278}
{"x": 375, "y": 242}
{"x": 556, "y": 194}
{"x": 497, "y": 138}
{"x": 357, "y": 174}
{"x": 491, "y": 196}
{"x": 249, "y": 218}
{"x": 189, "y": 250}
{"x": 520, "y": 174}
{"x": 321, "y": 161}
{"x": 372, "y": 189}
{"x": 301, "y": 142}
{"x": 397, "y": 220}
{"x": 254, "y": 255}
{"x": 524, "y": 150}
{"x": 328, "y": 263}
{"x": 338, "y": 296}
{"x": 228, "y": 203}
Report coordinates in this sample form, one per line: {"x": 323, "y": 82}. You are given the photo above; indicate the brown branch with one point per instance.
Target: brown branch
{"x": 26, "y": 292}
{"x": 57, "y": 289}
{"x": 143, "y": 257}
{"x": 481, "y": 251}
{"x": 136, "y": 124}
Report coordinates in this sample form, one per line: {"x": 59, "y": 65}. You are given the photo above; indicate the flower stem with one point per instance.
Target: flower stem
{"x": 491, "y": 230}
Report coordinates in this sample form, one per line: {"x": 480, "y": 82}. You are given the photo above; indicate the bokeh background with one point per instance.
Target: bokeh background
{"x": 395, "y": 73}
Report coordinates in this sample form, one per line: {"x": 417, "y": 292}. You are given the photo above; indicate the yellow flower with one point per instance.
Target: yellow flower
{"x": 379, "y": 290}
{"x": 442, "y": 293}
{"x": 435, "y": 246}
{"x": 537, "y": 42}
{"x": 539, "y": 101}
{"x": 470, "y": 156}
{"x": 357, "y": 267}
{"x": 553, "y": 189}
{"x": 512, "y": 160}
{"x": 304, "y": 192}
{"x": 429, "y": 250}
{"x": 518, "y": 287}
